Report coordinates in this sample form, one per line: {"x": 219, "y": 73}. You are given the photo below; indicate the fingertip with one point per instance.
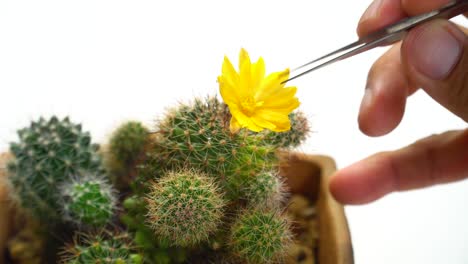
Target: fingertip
{"x": 383, "y": 105}
{"x": 359, "y": 183}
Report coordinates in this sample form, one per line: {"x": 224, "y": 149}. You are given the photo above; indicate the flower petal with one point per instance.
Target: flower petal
{"x": 282, "y": 99}
{"x": 245, "y": 88}
{"x": 234, "y": 126}
{"x": 263, "y": 122}
{"x": 258, "y": 73}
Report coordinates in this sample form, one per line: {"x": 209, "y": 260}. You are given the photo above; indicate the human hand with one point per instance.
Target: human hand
{"x": 433, "y": 57}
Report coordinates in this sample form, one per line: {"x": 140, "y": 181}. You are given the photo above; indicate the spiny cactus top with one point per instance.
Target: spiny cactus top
{"x": 260, "y": 236}
{"x": 197, "y": 133}
{"x": 102, "y": 248}
{"x": 88, "y": 201}
{"x": 185, "y": 208}
{"x": 265, "y": 190}
{"x": 47, "y": 154}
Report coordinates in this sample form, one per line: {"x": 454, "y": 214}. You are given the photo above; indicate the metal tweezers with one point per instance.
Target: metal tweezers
{"x": 382, "y": 37}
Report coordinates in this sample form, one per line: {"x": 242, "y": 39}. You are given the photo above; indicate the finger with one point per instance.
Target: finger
{"x": 380, "y": 13}
{"x": 435, "y": 58}
{"x": 417, "y": 7}
{"x": 437, "y": 159}
{"x": 384, "y": 100}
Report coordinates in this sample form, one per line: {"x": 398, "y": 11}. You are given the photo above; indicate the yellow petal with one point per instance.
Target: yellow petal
{"x": 243, "y": 120}
{"x": 234, "y": 126}
{"x": 227, "y": 91}
{"x": 271, "y": 84}
{"x": 283, "y": 99}
{"x": 245, "y": 88}
{"x": 243, "y": 58}
{"x": 258, "y": 73}
{"x": 263, "y": 122}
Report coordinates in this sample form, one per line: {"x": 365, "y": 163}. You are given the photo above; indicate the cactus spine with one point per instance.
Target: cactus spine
{"x": 185, "y": 208}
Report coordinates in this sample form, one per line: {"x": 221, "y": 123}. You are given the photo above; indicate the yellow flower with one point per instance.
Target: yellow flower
{"x": 256, "y": 102}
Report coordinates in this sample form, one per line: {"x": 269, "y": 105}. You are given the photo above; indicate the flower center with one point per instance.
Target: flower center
{"x": 249, "y": 105}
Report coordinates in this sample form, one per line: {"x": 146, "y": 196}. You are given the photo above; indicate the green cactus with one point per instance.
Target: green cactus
{"x": 295, "y": 136}
{"x": 265, "y": 190}
{"x": 260, "y": 236}
{"x": 185, "y": 208}
{"x": 48, "y": 154}
{"x": 126, "y": 148}
{"x": 89, "y": 201}
{"x": 102, "y": 248}
{"x": 250, "y": 159}
{"x": 197, "y": 135}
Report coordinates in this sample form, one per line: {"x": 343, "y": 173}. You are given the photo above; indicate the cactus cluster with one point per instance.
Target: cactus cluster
{"x": 49, "y": 154}
{"x": 58, "y": 179}
{"x": 189, "y": 189}
{"x": 199, "y": 176}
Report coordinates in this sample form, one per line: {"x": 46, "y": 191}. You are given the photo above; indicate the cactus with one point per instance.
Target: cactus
{"x": 126, "y": 147}
{"x": 250, "y": 159}
{"x": 101, "y": 248}
{"x": 48, "y": 154}
{"x": 185, "y": 208}
{"x": 295, "y": 136}
{"x": 88, "y": 201}
{"x": 260, "y": 236}
{"x": 265, "y": 190}
{"x": 197, "y": 135}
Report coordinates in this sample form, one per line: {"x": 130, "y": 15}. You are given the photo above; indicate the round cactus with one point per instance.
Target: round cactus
{"x": 260, "y": 236}
{"x": 49, "y": 153}
{"x": 128, "y": 141}
{"x": 197, "y": 134}
{"x": 265, "y": 190}
{"x": 185, "y": 208}
{"x": 88, "y": 201}
{"x": 295, "y": 136}
{"x": 107, "y": 248}
{"x": 126, "y": 148}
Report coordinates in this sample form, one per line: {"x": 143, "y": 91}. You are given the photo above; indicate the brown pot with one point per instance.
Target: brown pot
{"x": 305, "y": 174}
{"x": 309, "y": 175}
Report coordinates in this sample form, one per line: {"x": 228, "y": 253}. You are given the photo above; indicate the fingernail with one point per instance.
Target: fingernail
{"x": 372, "y": 10}
{"x": 433, "y": 50}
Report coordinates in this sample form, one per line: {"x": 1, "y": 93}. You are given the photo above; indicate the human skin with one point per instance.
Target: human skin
{"x": 432, "y": 57}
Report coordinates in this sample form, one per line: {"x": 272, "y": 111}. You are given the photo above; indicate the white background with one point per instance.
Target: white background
{"x": 103, "y": 62}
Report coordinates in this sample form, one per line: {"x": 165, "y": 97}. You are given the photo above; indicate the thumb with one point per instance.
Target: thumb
{"x": 435, "y": 58}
